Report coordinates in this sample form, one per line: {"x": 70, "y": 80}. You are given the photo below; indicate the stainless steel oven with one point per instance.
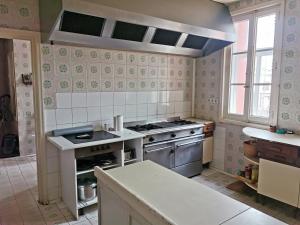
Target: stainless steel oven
{"x": 188, "y": 156}
{"x": 161, "y": 153}
{"x": 183, "y": 155}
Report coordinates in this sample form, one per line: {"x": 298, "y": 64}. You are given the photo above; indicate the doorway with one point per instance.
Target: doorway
{"x": 17, "y": 131}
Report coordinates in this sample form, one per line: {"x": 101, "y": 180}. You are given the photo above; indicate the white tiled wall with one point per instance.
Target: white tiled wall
{"x": 24, "y": 97}
{"x": 89, "y": 86}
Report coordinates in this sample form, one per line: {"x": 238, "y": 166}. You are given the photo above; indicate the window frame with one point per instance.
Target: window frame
{"x": 246, "y": 119}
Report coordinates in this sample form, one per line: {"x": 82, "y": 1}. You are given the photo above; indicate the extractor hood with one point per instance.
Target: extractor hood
{"x": 190, "y": 27}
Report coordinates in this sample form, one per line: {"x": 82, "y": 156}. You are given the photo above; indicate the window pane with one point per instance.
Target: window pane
{"x": 263, "y": 67}
{"x": 242, "y": 31}
{"x": 265, "y": 31}
{"x": 236, "y": 99}
{"x": 238, "y": 69}
{"x": 261, "y": 98}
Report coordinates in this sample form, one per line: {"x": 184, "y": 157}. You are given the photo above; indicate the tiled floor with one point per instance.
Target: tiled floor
{"x": 18, "y": 197}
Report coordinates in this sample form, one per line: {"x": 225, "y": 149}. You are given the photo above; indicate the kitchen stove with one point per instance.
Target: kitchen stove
{"x": 176, "y": 145}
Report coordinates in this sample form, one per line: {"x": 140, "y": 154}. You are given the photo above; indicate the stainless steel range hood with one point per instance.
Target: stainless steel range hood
{"x": 191, "y": 27}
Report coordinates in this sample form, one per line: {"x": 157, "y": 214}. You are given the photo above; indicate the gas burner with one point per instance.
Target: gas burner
{"x": 159, "y": 125}
{"x": 145, "y": 127}
{"x": 182, "y": 122}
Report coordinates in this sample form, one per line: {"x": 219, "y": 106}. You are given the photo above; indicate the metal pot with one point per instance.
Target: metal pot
{"x": 87, "y": 190}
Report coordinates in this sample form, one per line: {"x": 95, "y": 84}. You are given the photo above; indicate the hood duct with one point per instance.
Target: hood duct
{"x": 192, "y": 27}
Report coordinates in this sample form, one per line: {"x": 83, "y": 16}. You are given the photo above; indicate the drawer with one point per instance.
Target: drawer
{"x": 98, "y": 149}
{"x": 278, "y": 152}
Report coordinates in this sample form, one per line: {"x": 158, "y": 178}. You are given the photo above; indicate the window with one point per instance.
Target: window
{"x": 250, "y": 68}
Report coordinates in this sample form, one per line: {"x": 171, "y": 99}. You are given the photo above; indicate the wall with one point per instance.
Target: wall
{"x": 76, "y": 92}
{"x": 89, "y": 86}
{"x": 19, "y": 14}
{"x": 24, "y": 96}
{"x": 228, "y": 152}
{"x": 289, "y": 100}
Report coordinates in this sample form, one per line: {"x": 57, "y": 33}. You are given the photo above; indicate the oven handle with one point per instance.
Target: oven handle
{"x": 158, "y": 149}
{"x": 174, "y": 140}
{"x": 189, "y": 143}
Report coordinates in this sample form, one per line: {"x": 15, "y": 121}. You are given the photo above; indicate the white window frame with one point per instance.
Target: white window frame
{"x": 251, "y": 14}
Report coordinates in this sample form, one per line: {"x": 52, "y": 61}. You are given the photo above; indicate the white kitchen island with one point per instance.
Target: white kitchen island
{"x": 148, "y": 194}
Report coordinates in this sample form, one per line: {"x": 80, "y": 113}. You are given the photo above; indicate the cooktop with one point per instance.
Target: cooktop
{"x": 89, "y": 137}
{"x": 159, "y": 125}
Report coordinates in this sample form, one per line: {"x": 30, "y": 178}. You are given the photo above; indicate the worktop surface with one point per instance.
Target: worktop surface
{"x": 290, "y": 139}
{"x": 63, "y": 144}
{"x": 177, "y": 199}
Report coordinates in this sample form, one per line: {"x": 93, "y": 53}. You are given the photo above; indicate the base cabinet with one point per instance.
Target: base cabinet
{"x": 208, "y": 146}
{"x": 279, "y": 181}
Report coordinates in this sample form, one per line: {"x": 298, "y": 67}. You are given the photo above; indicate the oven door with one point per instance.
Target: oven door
{"x": 188, "y": 151}
{"x": 160, "y": 153}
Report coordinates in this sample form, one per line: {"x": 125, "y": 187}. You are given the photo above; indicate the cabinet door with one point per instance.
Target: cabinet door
{"x": 279, "y": 181}
{"x": 208, "y": 146}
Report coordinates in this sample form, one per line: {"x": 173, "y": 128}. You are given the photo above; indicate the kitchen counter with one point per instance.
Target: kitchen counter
{"x": 160, "y": 197}
{"x": 200, "y": 121}
{"x": 63, "y": 144}
{"x": 290, "y": 139}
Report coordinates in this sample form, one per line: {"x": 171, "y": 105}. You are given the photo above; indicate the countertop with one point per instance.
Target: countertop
{"x": 177, "y": 199}
{"x": 290, "y": 139}
{"x": 63, "y": 144}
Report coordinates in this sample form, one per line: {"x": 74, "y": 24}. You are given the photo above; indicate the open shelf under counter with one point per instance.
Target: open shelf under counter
{"x": 252, "y": 160}
{"x": 83, "y": 204}
{"x": 102, "y": 167}
{"x": 248, "y": 182}
{"x": 130, "y": 161}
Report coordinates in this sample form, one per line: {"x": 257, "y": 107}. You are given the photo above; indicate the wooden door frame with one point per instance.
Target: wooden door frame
{"x": 35, "y": 39}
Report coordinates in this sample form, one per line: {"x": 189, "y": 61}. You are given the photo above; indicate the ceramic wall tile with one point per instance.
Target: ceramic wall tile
{"x": 64, "y": 83}
{"x": 93, "y": 83}
{"x": 93, "y": 99}
{"x": 132, "y": 72}
{"x": 107, "y": 71}
{"x": 119, "y": 57}
{"x": 132, "y": 58}
{"x": 153, "y": 60}
{"x": 103, "y": 83}
{"x": 63, "y": 100}
{"x": 120, "y": 85}
{"x": 107, "y": 56}
{"x": 142, "y": 72}
{"x": 49, "y": 84}
{"x": 24, "y": 94}
{"x": 120, "y": 71}
{"x": 79, "y": 83}
{"x": 143, "y": 59}
{"x": 132, "y": 85}
{"x": 93, "y": 114}
{"x": 93, "y": 55}
{"x": 107, "y": 84}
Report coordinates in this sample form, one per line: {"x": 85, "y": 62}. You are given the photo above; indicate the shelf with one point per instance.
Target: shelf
{"x": 248, "y": 182}
{"x": 253, "y": 186}
{"x": 110, "y": 166}
{"x": 84, "y": 172}
{"x": 102, "y": 167}
{"x": 83, "y": 204}
{"x": 130, "y": 161}
{"x": 252, "y": 160}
